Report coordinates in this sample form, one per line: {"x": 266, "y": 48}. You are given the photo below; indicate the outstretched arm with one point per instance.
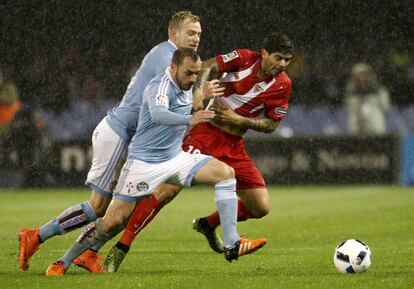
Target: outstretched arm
{"x": 227, "y": 116}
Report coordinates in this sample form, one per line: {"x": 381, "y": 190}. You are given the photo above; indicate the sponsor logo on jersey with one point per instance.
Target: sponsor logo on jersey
{"x": 162, "y": 100}
{"x": 142, "y": 187}
{"x": 280, "y": 110}
{"x": 230, "y": 56}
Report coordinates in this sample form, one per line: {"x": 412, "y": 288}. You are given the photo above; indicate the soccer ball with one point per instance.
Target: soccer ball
{"x": 352, "y": 256}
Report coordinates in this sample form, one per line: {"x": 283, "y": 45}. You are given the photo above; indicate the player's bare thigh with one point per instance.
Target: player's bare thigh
{"x": 166, "y": 193}
{"x": 256, "y": 200}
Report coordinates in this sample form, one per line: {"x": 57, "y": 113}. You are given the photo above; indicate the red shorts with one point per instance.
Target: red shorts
{"x": 210, "y": 140}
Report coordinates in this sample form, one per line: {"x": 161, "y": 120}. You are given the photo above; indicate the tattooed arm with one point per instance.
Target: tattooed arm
{"x": 226, "y": 116}
{"x": 205, "y": 89}
{"x": 265, "y": 125}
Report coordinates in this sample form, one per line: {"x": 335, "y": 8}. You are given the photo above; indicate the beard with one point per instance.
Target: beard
{"x": 276, "y": 71}
{"x": 184, "y": 86}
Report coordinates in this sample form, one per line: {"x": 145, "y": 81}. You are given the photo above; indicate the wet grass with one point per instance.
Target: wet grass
{"x": 305, "y": 225}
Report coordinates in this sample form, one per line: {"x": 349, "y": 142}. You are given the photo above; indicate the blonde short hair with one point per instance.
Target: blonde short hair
{"x": 180, "y": 17}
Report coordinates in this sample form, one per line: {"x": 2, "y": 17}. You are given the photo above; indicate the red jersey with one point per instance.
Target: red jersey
{"x": 246, "y": 94}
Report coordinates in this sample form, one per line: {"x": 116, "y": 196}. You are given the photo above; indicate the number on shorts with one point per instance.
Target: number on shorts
{"x": 191, "y": 150}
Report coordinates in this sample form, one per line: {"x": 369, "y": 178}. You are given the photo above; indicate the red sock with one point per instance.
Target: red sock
{"x": 213, "y": 219}
{"x": 143, "y": 213}
{"x": 243, "y": 214}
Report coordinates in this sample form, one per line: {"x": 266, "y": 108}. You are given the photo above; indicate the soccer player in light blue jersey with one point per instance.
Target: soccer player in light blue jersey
{"x": 110, "y": 139}
{"x": 155, "y": 157}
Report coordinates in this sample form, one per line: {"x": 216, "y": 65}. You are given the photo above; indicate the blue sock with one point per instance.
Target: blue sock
{"x": 226, "y": 202}
{"x": 99, "y": 243}
{"x": 71, "y": 219}
{"x": 92, "y": 234}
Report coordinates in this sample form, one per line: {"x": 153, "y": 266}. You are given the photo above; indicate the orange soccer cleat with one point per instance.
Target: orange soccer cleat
{"x": 56, "y": 269}
{"x": 29, "y": 244}
{"x": 90, "y": 261}
{"x": 243, "y": 247}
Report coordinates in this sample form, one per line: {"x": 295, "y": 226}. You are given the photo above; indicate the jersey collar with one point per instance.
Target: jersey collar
{"x": 177, "y": 89}
{"x": 172, "y": 44}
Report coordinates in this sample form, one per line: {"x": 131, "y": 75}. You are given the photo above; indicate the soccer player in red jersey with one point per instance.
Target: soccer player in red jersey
{"x": 256, "y": 97}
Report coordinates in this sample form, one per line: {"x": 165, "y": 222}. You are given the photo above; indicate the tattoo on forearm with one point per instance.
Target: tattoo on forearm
{"x": 202, "y": 78}
{"x": 197, "y": 100}
{"x": 197, "y": 90}
{"x": 204, "y": 75}
{"x": 209, "y": 71}
{"x": 263, "y": 125}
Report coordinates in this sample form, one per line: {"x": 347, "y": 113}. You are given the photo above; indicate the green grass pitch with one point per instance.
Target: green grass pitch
{"x": 305, "y": 225}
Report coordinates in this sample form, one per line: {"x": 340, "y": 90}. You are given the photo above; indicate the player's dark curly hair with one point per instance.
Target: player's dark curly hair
{"x": 182, "y": 53}
{"x": 278, "y": 42}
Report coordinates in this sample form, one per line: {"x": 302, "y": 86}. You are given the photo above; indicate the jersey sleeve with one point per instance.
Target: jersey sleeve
{"x": 235, "y": 60}
{"x": 158, "y": 104}
{"x": 156, "y": 96}
{"x": 161, "y": 115}
{"x": 277, "y": 106}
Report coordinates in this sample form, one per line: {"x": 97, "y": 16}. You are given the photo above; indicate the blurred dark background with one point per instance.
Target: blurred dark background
{"x": 70, "y": 61}
{"x": 86, "y": 41}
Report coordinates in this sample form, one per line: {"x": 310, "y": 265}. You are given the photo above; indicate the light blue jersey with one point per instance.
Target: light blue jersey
{"x": 123, "y": 118}
{"x": 156, "y": 139}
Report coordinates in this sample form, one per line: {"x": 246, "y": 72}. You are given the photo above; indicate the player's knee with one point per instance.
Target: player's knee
{"x": 110, "y": 224}
{"x": 261, "y": 207}
{"x": 262, "y": 210}
{"x": 115, "y": 218}
{"x": 214, "y": 172}
{"x": 258, "y": 206}
{"x": 225, "y": 172}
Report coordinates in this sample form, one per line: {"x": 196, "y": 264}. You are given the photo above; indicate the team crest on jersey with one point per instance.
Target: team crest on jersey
{"x": 142, "y": 187}
{"x": 230, "y": 56}
{"x": 258, "y": 88}
{"x": 162, "y": 100}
